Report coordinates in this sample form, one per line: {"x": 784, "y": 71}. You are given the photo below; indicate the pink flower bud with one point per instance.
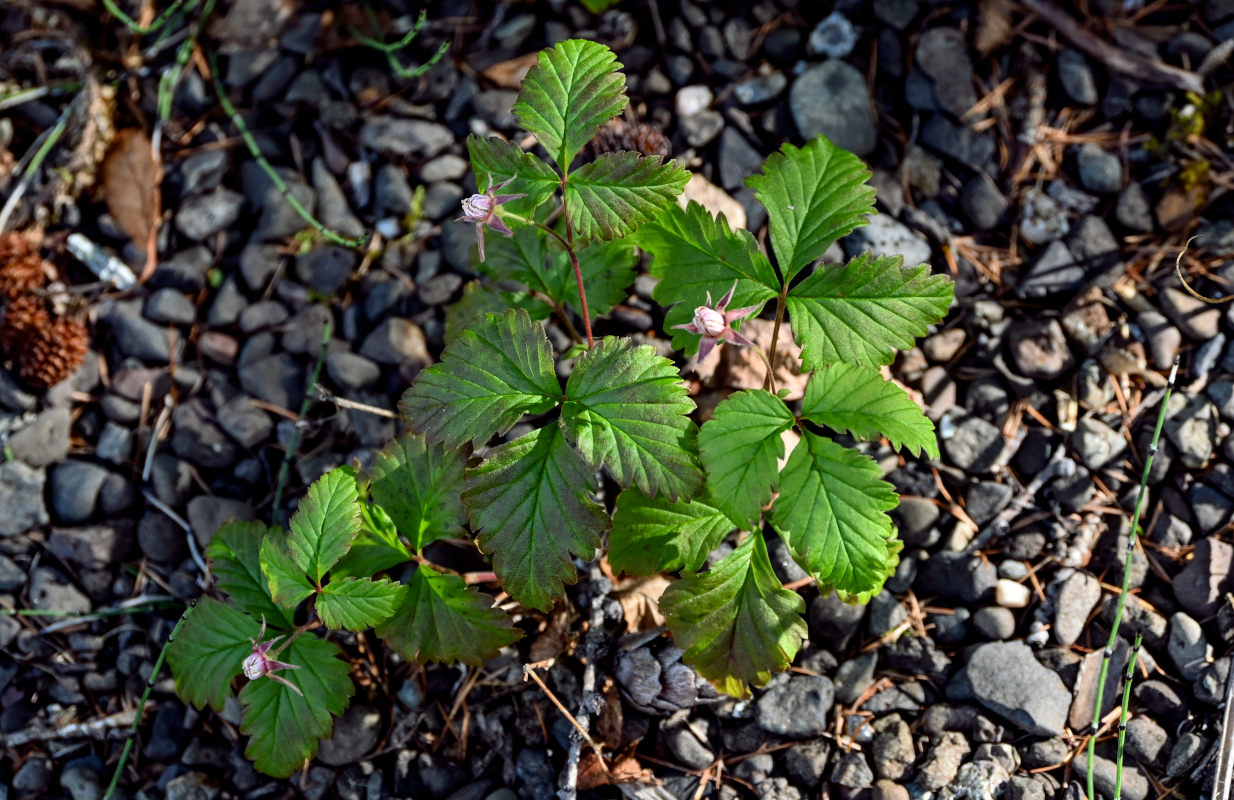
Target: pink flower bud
{"x": 708, "y": 321}
{"x": 477, "y": 207}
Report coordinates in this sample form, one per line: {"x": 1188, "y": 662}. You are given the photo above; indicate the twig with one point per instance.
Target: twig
{"x": 1141, "y": 69}
{"x": 1056, "y": 465}
{"x": 1224, "y": 773}
{"x": 294, "y": 444}
{"x": 529, "y": 671}
{"x": 327, "y": 396}
{"x": 271, "y": 173}
{"x": 194, "y": 551}
{"x": 591, "y": 701}
{"x": 94, "y": 729}
{"x": 1132, "y": 535}
{"x": 141, "y": 704}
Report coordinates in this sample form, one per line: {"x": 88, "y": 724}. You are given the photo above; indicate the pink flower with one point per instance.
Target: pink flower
{"x": 482, "y": 210}
{"x": 712, "y": 323}
{"x": 257, "y": 663}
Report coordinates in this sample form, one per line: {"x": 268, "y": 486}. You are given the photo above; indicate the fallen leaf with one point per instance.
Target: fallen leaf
{"x": 994, "y": 28}
{"x": 640, "y": 600}
{"x": 130, "y": 183}
{"x": 509, "y": 74}
{"x": 555, "y": 635}
{"x": 593, "y": 772}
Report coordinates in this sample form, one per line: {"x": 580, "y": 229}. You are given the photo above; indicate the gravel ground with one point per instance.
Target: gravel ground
{"x": 1056, "y": 191}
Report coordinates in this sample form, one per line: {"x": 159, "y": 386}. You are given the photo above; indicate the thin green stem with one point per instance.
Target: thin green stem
{"x": 141, "y": 704}
{"x": 170, "y": 78}
{"x": 1122, "y": 717}
{"x": 567, "y": 243}
{"x": 16, "y": 98}
{"x": 781, "y": 304}
{"x": 31, "y": 169}
{"x": 390, "y": 49}
{"x": 275, "y": 178}
{"x": 293, "y": 444}
{"x": 103, "y": 612}
{"x": 1126, "y": 587}
{"x": 770, "y": 383}
{"x": 131, "y": 23}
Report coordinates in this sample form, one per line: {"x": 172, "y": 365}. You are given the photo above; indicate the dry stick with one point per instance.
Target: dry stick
{"x": 529, "y": 671}
{"x": 327, "y": 396}
{"x": 141, "y": 704}
{"x": 95, "y": 728}
{"x": 590, "y": 701}
{"x": 1126, "y": 587}
{"x": 1141, "y": 69}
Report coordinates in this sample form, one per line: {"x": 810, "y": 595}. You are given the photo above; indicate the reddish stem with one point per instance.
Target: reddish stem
{"x": 578, "y": 273}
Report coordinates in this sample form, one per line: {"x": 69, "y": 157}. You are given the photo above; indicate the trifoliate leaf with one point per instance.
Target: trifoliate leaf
{"x": 737, "y": 624}
{"x": 573, "y": 89}
{"x": 496, "y": 161}
{"x": 208, "y": 652}
{"x": 375, "y": 549}
{"x": 860, "y": 313}
{"x": 739, "y": 447}
{"x": 235, "y": 561}
{"x": 608, "y": 269}
{"x": 832, "y": 514}
{"x": 358, "y": 603}
{"x": 494, "y": 373}
{"x": 861, "y": 401}
{"x": 626, "y": 408}
{"x": 442, "y": 619}
{"x": 813, "y": 195}
{"x": 654, "y": 534}
{"x": 285, "y": 578}
{"x": 529, "y": 503}
{"x": 284, "y": 727}
{"x": 480, "y": 298}
{"x": 325, "y": 523}
{"x": 694, "y": 253}
{"x": 418, "y": 486}
{"x": 617, "y": 192}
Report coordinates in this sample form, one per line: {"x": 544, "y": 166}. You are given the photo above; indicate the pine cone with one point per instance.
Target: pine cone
{"x": 23, "y": 316}
{"x": 53, "y": 353}
{"x": 641, "y": 137}
{"x": 21, "y": 266}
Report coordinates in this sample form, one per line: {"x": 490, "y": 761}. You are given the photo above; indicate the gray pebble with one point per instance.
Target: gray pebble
{"x": 202, "y": 216}
{"x": 75, "y": 489}
{"x": 1100, "y": 170}
{"x": 45, "y": 440}
{"x": 170, "y": 307}
{"x": 831, "y": 99}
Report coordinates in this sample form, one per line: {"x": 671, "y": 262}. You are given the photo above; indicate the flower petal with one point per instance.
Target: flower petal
{"x": 705, "y": 346}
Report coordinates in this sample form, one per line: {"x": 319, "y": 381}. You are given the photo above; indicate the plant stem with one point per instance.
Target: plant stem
{"x": 1126, "y": 586}
{"x": 390, "y": 49}
{"x": 294, "y": 444}
{"x": 568, "y": 244}
{"x": 781, "y": 304}
{"x": 582, "y": 297}
{"x": 141, "y": 704}
{"x": 48, "y": 141}
{"x": 1122, "y": 717}
{"x": 275, "y": 178}
{"x": 770, "y": 383}
{"x": 132, "y": 25}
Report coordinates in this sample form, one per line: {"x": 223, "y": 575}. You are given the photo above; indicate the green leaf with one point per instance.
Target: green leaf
{"x": 861, "y": 401}
{"x": 480, "y": 298}
{"x": 573, "y": 90}
{"x": 418, "y": 486}
{"x": 284, "y": 577}
{"x": 358, "y": 603}
{"x": 813, "y": 195}
{"x": 529, "y": 503}
{"x": 235, "y": 561}
{"x": 626, "y": 408}
{"x": 737, "y": 624}
{"x": 488, "y": 378}
{"x": 739, "y": 447}
{"x": 285, "y": 727}
{"x": 496, "y": 161}
{"x": 208, "y": 652}
{"x": 442, "y": 619}
{"x": 694, "y": 253}
{"x": 860, "y": 313}
{"x": 375, "y": 549}
{"x": 617, "y": 192}
{"x": 653, "y": 534}
{"x": 832, "y": 514}
{"x": 608, "y": 269}
{"x": 326, "y": 521}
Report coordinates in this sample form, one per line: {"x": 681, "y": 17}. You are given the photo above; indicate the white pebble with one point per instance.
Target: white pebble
{"x": 693, "y": 99}
{"x": 1010, "y": 594}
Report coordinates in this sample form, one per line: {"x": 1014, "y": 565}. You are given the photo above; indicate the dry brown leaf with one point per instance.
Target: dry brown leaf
{"x": 640, "y": 600}
{"x": 130, "y": 183}
{"x": 555, "y": 634}
{"x": 593, "y": 772}
{"x": 509, "y": 74}
{"x": 994, "y": 28}
{"x": 611, "y": 719}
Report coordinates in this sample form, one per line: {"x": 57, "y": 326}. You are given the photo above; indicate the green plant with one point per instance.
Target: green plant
{"x": 532, "y": 502}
